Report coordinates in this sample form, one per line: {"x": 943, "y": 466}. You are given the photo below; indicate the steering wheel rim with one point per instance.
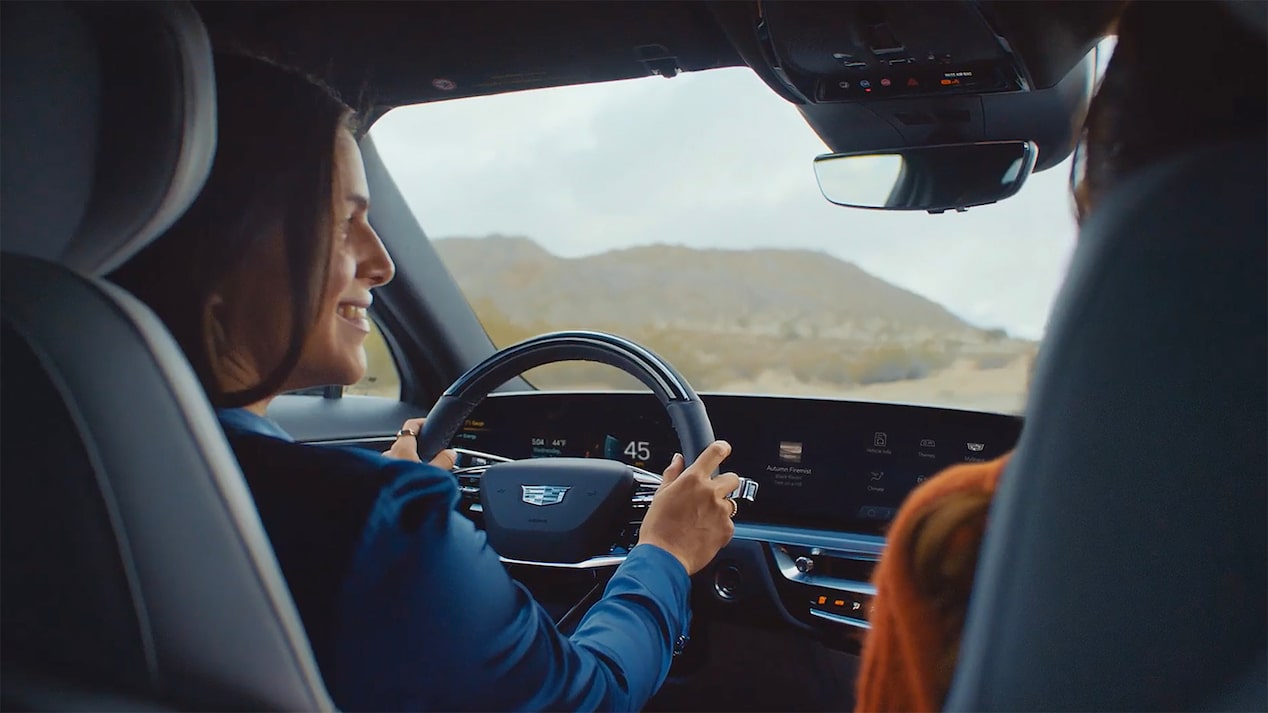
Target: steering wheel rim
{"x": 686, "y": 411}
{"x": 529, "y": 516}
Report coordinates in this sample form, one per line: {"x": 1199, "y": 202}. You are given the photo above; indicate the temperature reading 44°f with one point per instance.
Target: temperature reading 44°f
{"x": 639, "y": 450}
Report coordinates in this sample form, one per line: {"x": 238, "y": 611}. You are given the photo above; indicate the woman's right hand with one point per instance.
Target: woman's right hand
{"x": 405, "y": 447}
{"x": 690, "y": 516}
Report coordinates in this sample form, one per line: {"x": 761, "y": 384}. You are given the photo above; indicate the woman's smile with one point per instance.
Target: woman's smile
{"x": 355, "y": 315}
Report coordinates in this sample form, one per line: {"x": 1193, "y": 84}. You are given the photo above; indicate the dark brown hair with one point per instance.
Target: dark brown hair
{"x": 273, "y": 171}
{"x": 1183, "y": 74}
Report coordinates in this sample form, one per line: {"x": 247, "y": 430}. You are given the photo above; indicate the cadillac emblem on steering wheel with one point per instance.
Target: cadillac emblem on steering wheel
{"x": 544, "y": 494}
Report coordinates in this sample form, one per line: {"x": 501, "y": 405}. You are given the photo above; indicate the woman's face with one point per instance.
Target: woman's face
{"x": 335, "y": 350}
{"x": 256, "y": 322}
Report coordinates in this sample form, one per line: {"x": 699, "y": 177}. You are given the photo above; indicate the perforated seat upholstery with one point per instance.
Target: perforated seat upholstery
{"x": 1125, "y": 566}
{"x": 135, "y": 572}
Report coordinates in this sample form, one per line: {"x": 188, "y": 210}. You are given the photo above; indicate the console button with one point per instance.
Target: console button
{"x": 853, "y": 605}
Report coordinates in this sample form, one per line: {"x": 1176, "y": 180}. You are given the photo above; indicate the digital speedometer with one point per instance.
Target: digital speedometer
{"x": 627, "y": 450}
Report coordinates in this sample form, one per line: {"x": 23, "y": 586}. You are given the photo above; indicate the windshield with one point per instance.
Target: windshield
{"x": 684, "y": 214}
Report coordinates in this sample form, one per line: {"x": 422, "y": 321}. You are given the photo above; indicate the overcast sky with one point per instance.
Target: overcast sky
{"x": 709, "y": 159}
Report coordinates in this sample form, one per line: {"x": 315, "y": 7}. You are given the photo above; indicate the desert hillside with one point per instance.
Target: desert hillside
{"x": 754, "y": 291}
{"x": 786, "y": 321}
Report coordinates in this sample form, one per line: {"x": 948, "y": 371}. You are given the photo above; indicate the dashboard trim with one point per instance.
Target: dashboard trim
{"x": 852, "y": 545}
{"x": 788, "y": 568}
{"x": 364, "y": 440}
{"x": 838, "y": 619}
{"x": 592, "y": 563}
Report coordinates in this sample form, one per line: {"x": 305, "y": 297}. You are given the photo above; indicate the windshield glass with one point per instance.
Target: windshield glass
{"x": 684, "y": 214}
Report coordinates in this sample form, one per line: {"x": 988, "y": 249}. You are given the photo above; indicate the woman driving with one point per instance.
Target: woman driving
{"x": 265, "y": 283}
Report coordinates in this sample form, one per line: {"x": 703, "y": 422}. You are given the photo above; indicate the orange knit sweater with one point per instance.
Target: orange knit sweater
{"x": 905, "y": 655}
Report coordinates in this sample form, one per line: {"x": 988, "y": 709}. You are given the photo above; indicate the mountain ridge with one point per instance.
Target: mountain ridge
{"x": 805, "y": 292}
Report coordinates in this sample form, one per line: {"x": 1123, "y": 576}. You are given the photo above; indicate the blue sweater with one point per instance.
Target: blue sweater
{"x": 408, "y": 608}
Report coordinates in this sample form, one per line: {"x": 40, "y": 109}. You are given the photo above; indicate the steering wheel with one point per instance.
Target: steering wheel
{"x": 567, "y": 512}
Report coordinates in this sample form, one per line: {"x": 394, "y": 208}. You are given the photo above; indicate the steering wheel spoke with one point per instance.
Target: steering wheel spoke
{"x": 471, "y": 460}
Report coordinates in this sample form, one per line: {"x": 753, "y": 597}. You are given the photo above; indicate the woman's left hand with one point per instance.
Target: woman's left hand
{"x": 406, "y": 447}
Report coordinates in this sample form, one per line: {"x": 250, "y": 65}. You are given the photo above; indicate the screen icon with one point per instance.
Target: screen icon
{"x": 927, "y": 443}
{"x": 880, "y": 439}
{"x": 790, "y": 451}
{"x": 877, "y": 474}
{"x": 975, "y": 447}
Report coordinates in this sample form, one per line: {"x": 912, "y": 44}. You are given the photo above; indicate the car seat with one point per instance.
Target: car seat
{"x": 134, "y": 570}
{"x": 1125, "y": 565}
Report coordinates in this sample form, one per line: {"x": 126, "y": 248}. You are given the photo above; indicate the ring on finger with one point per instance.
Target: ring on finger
{"x": 735, "y": 508}
{"x": 407, "y": 431}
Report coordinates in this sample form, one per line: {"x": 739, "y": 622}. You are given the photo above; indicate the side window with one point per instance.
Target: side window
{"x": 381, "y": 377}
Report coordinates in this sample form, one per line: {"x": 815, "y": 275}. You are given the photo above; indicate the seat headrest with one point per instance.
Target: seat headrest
{"x": 108, "y": 126}
{"x": 1125, "y": 566}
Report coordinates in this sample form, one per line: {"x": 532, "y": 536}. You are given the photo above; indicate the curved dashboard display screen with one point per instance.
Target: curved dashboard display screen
{"x": 826, "y": 464}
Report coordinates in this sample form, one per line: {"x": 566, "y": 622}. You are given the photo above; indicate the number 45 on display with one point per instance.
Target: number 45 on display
{"x": 639, "y": 450}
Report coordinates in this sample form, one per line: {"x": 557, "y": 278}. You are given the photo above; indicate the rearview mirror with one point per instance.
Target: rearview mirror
{"x": 932, "y": 178}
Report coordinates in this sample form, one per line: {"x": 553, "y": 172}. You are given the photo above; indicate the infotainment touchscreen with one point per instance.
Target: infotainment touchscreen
{"x": 847, "y": 466}
{"x": 824, "y": 464}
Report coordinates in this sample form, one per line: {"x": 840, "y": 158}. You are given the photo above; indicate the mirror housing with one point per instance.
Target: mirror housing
{"x": 931, "y": 178}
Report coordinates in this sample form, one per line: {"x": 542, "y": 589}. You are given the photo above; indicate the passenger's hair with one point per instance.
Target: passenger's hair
{"x": 945, "y": 542}
{"x": 1154, "y": 102}
{"x": 1182, "y": 74}
{"x": 273, "y": 171}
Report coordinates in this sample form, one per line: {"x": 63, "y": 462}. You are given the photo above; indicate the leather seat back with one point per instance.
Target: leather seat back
{"x": 134, "y": 568}
{"x": 1126, "y": 563}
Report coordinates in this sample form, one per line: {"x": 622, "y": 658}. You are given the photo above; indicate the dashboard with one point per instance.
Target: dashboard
{"x": 831, "y": 476}
{"x": 831, "y": 473}
{"x": 822, "y": 464}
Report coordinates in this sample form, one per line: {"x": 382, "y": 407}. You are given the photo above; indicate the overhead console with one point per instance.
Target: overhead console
{"x": 883, "y": 75}
{"x": 860, "y": 51}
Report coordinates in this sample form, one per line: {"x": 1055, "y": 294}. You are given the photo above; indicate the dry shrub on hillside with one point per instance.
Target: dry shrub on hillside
{"x": 713, "y": 360}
